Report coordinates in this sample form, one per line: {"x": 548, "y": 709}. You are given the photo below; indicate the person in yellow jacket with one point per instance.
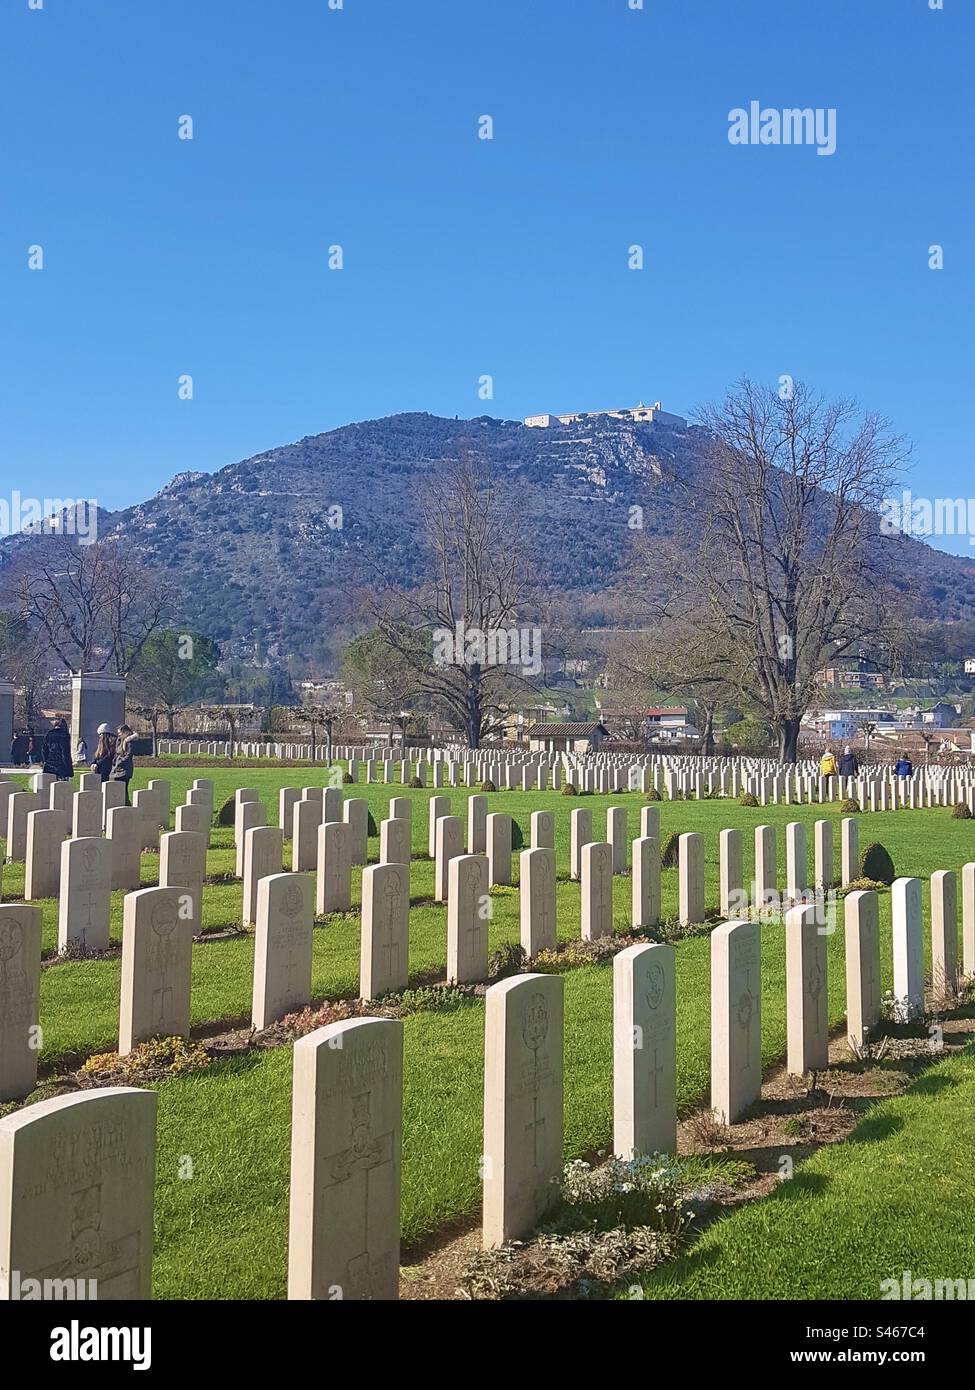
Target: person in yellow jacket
{"x": 827, "y": 764}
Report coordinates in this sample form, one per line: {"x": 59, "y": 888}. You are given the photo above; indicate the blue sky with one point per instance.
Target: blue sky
{"x": 465, "y": 257}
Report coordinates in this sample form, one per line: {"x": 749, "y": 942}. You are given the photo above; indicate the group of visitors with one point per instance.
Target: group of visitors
{"x": 113, "y": 760}
{"x": 848, "y": 764}
{"x": 24, "y": 748}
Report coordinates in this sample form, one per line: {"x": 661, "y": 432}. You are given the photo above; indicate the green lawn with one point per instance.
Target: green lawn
{"x": 897, "y": 1195}
{"x": 233, "y": 1120}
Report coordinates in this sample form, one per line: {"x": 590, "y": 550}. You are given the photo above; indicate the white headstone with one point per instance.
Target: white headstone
{"x": 580, "y": 835}
{"x": 537, "y": 905}
{"x": 497, "y": 836}
{"x": 616, "y": 833}
{"x": 183, "y": 864}
{"x": 77, "y": 1179}
{"x": 944, "y": 934}
{"x": 690, "y": 877}
{"x": 46, "y": 832}
{"x": 597, "y": 891}
{"x": 125, "y": 833}
{"x": 449, "y": 843}
{"x": 468, "y": 919}
{"x": 908, "y": 948}
{"x": 736, "y": 1019}
{"x": 157, "y": 945}
{"x": 85, "y": 904}
{"x": 282, "y": 947}
{"x": 355, "y": 813}
{"x": 477, "y": 824}
{"x": 542, "y": 830}
{"x": 20, "y": 972}
{"x": 334, "y": 872}
{"x": 645, "y": 885}
{"x": 732, "y": 880}
{"x": 86, "y": 814}
{"x": 384, "y": 953}
{"x": 807, "y": 1020}
{"x": 766, "y": 872}
{"x": 644, "y": 1051}
{"x": 263, "y": 855}
{"x": 523, "y": 1116}
{"x": 346, "y": 1142}
{"x": 862, "y": 952}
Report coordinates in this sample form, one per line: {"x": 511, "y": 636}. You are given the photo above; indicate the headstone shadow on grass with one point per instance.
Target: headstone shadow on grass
{"x": 803, "y": 1184}
{"x": 932, "y": 1085}
{"x": 875, "y": 1128}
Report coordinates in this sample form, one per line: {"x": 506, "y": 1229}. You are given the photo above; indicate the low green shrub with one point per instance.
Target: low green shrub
{"x": 876, "y": 864}
{"x": 670, "y": 850}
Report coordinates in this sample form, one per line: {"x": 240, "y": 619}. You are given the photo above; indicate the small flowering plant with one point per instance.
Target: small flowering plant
{"x": 644, "y": 1191}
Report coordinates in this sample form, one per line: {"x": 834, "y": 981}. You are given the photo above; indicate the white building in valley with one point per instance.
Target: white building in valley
{"x": 641, "y": 414}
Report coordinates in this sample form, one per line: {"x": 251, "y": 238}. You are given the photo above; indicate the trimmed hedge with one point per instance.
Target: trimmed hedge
{"x": 876, "y": 863}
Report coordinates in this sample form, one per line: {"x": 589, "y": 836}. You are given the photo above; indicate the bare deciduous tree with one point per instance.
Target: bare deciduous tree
{"x": 785, "y": 573}
{"x": 674, "y": 657}
{"x": 25, "y": 659}
{"x": 463, "y": 635}
{"x": 96, "y": 604}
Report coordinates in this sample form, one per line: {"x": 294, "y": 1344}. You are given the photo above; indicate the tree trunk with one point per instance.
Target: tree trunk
{"x": 708, "y": 741}
{"x": 789, "y": 740}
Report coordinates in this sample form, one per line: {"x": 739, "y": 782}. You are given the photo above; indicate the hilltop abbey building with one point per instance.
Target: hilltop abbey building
{"x": 646, "y": 414}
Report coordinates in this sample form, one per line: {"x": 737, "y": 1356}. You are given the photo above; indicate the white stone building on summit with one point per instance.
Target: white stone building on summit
{"x": 642, "y": 414}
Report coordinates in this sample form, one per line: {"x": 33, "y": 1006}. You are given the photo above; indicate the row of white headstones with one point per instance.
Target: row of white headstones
{"x": 77, "y": 1172}
{"x": 330, "y": 835}
{"x": 875, "y": 787}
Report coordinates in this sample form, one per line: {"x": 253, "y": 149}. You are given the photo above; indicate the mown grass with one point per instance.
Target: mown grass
{"x": 233, "y": 1120}
{"x": 896, "y": 1196}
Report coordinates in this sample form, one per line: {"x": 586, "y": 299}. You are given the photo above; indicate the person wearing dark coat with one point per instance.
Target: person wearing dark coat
{"x": 104, "y": 753}
{"x": 20, "y": 750}
{"x": 123, "y": 765}
{"x": 849, "y": 765}
{"x": 904, "y": 767}
{"x": 57, "y": 759}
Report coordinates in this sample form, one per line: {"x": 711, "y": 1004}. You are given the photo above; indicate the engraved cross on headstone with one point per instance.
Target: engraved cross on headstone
{"x": 351, "y": 1169}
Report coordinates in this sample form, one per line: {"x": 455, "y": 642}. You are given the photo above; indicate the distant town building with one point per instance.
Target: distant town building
{"x": 970, "y": 666}
{"x": 517, "y": 722}
{"x": 835, "y": 726}
{"x": 637, "y": 414}
{"x": 940, "y": 716}
{"x": 885, "y": 721}
{"x": 567, "y": 738}
{"x": 325, "y": 693}
{"x": 855, "y": 675}
{"x": 669, "y": 722}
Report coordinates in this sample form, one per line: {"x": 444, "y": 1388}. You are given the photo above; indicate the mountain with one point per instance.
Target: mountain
{"x": 264, "y": 566}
